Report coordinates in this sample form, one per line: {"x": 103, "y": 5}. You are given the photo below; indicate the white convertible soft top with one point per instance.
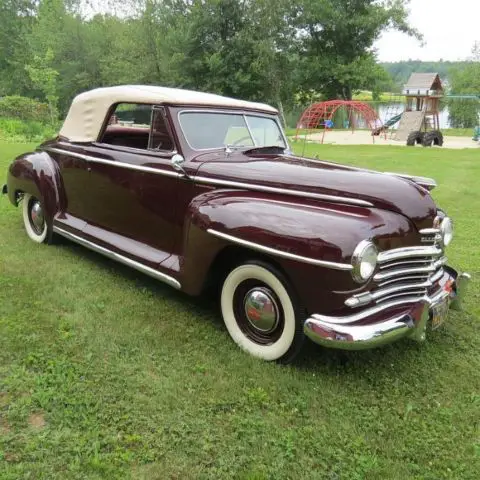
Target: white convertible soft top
{"x": 88, "y": 110}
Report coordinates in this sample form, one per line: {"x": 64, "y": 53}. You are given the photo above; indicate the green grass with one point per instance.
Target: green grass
{"x": 105, "y": 373}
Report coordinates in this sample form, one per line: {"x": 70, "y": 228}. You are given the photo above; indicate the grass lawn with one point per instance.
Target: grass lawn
{"x": 105, "y": 373}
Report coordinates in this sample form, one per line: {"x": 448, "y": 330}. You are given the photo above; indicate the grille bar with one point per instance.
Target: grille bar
{"x": 433, "y": 266}
{"x": 419, "y": 293}
{"x": 414, "y": 278}
{"x": 398, "y": 272}
{"x": 403, "y": 262}
{"x": 398, "y": 288}
{"x": 408, "y": 252}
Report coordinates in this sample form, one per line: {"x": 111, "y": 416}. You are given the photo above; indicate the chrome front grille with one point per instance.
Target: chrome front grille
{"x": 403, "y": 272}
{"x": 407, "y": 272}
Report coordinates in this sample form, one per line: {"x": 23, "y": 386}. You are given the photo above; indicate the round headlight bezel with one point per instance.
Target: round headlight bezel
{"x": 446, "y": 231}
{"x": 363, "y": 266}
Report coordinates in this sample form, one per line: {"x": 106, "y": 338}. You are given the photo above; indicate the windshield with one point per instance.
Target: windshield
{"x": 206, "y": 130}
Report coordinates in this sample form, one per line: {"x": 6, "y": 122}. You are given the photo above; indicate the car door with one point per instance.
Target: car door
{"x": 132, "y": 190}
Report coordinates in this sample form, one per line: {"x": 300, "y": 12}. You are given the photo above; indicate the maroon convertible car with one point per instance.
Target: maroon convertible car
{"x": 201, "y": 191}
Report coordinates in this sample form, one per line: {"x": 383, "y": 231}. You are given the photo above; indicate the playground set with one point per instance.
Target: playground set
{"x": 418, "y": 123}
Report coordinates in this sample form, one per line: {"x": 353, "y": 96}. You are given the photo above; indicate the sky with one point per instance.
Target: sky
{"x": 449, "y": 27}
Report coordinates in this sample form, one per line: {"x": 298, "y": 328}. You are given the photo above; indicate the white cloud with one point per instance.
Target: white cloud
{"x": 449, "y": 28}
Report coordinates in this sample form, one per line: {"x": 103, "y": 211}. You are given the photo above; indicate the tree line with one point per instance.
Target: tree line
{"x": 276, "y": 51}
{"x": 400, "y": 71}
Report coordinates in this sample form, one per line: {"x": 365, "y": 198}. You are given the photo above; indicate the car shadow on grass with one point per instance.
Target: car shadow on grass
{"x": 203, "y": 305}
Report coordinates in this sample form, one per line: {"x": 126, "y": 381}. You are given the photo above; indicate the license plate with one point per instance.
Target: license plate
{"x": 439, "y": 313}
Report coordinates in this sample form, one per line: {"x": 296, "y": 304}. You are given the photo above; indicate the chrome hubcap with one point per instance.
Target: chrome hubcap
{"x": 261, "y": 309}
{"x": 36, "y": 214}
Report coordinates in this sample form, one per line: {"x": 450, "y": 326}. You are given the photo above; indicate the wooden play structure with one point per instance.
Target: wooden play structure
{"x": 419, "y": 122}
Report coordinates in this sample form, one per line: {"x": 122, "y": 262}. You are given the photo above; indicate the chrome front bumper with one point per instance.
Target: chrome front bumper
{"x": 385, "y": 323}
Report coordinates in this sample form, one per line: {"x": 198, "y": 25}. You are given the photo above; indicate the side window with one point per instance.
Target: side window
{"x": 160, "y": 138}
{"x": 138, "y": 126}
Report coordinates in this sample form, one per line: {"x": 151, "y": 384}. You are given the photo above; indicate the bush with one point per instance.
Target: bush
{"x": 23, "y": 108}
{"x": 463, "y": 113}
{"x": 15, "y": 130}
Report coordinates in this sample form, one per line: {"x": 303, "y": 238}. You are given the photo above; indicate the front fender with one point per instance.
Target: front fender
{"x": 37, "y": 174}
{"x": 311, "y": 229}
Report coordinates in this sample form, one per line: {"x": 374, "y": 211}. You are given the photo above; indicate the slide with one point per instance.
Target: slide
{"x": 389, "y": 123}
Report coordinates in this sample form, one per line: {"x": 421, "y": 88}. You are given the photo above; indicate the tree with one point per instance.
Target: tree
{"x": 463, "y": 113}
{"x": 44, "y": 78}
{"x": 335, "y": 38}
{"x": 232, "y": 47}
{"x": 275, "y": 51}
{"x": 17, "y": 17}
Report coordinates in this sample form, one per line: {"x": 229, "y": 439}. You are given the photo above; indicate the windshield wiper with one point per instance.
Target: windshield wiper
{"x": 267, "y": 149}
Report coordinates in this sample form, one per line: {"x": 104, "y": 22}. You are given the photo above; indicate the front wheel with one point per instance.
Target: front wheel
{"x": 34, "y": 220}
{"x": 261, "y": 313}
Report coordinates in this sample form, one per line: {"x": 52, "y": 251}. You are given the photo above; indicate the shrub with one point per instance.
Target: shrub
{"x": 463, "y": 113}
{"x": 15, "y": 130}
{"x": 24, "y": 108}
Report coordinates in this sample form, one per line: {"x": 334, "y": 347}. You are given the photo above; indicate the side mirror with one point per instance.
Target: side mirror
{"x": 177, "y": 162}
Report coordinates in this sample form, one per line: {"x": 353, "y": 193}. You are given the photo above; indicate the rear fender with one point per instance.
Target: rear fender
{"x": 37, "y": 174}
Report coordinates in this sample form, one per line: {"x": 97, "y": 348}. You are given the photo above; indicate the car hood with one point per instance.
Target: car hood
{"x": 295, "y": 174}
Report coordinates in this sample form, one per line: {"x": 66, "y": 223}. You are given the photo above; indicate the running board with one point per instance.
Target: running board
{"x": 119, "y": 258}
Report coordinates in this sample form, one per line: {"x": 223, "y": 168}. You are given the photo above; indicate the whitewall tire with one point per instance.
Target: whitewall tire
{"x": 34, "y": 219}
{"x": 261, "y": 313}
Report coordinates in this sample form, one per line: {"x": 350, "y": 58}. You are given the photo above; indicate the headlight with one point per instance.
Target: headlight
{"x": 446, "y": 229}
{"x": 364, "y": 261}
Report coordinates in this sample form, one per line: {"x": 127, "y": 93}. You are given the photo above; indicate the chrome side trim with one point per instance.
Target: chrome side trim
{"x": 265, "y": 188}
{"x": 119, "y": 258}
{"x": 408, "y": 252}
{"x": 128, "y": 166}
{"x": 213, "y": 181}
{"x": 280, "y": 253}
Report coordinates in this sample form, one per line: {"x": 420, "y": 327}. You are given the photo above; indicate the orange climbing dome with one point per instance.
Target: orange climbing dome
{"x": 321, "y": 114}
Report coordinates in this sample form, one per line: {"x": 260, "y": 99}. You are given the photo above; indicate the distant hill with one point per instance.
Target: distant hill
{"x": 401, "y": 71}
